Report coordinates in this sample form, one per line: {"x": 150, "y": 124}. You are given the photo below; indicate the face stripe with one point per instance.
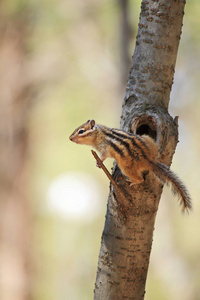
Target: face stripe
{"x": 86, "y": 133}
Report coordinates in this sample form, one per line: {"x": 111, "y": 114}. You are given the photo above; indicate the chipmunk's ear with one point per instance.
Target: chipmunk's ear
{"x": 92, "y": 123}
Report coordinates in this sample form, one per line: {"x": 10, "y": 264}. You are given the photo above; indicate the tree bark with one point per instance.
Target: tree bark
{"x": 128, "y": 232}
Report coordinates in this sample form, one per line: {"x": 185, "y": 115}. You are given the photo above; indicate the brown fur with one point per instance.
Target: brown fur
{"x": 134, "y": 154}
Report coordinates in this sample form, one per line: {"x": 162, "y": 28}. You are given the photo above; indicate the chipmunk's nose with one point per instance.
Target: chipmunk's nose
{"x": 70, "y": 137}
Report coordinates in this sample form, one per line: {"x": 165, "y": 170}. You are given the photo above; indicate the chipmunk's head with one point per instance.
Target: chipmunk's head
{"x": 84, "y": 134}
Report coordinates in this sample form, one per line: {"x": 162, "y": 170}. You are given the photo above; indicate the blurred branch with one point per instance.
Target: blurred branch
{"x": 101, "y": 165}
{"x": 125, "y": 39}
{"x": 121, "y": 198}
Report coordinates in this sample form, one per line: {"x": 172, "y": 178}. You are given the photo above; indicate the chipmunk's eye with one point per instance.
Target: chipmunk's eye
{"x": 81, "y": 131}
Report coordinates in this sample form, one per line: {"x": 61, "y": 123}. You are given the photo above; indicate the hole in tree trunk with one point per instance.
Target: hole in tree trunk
{"x": 146, "y": 126}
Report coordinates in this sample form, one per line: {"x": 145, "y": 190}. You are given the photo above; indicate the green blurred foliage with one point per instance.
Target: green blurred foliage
{"x": 73, "y": 63}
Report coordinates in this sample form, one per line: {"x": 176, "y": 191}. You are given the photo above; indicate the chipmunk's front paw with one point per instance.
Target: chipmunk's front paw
{"x": 97, "y": 165}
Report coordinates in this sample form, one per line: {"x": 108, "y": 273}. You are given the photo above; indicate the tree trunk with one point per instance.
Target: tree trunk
{"x": 15, "y": 218}
{"x": 128, "y": 232}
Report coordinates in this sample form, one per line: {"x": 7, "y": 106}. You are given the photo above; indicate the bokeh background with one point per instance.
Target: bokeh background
{"x": 62, "y": 63}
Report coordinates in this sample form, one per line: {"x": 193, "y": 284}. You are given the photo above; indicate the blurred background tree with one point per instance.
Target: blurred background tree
{"x": 60, "y": 65}
{"x": 15, "y": 212}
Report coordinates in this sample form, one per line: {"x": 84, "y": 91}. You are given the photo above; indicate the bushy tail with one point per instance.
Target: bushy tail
{"x": 165, "y": 175}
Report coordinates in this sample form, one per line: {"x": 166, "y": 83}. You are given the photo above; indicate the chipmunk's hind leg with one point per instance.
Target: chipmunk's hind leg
{"x": 136, "y": 179}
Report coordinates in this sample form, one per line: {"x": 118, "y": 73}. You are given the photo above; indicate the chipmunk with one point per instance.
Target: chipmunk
{"x": 133, "y": 153}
